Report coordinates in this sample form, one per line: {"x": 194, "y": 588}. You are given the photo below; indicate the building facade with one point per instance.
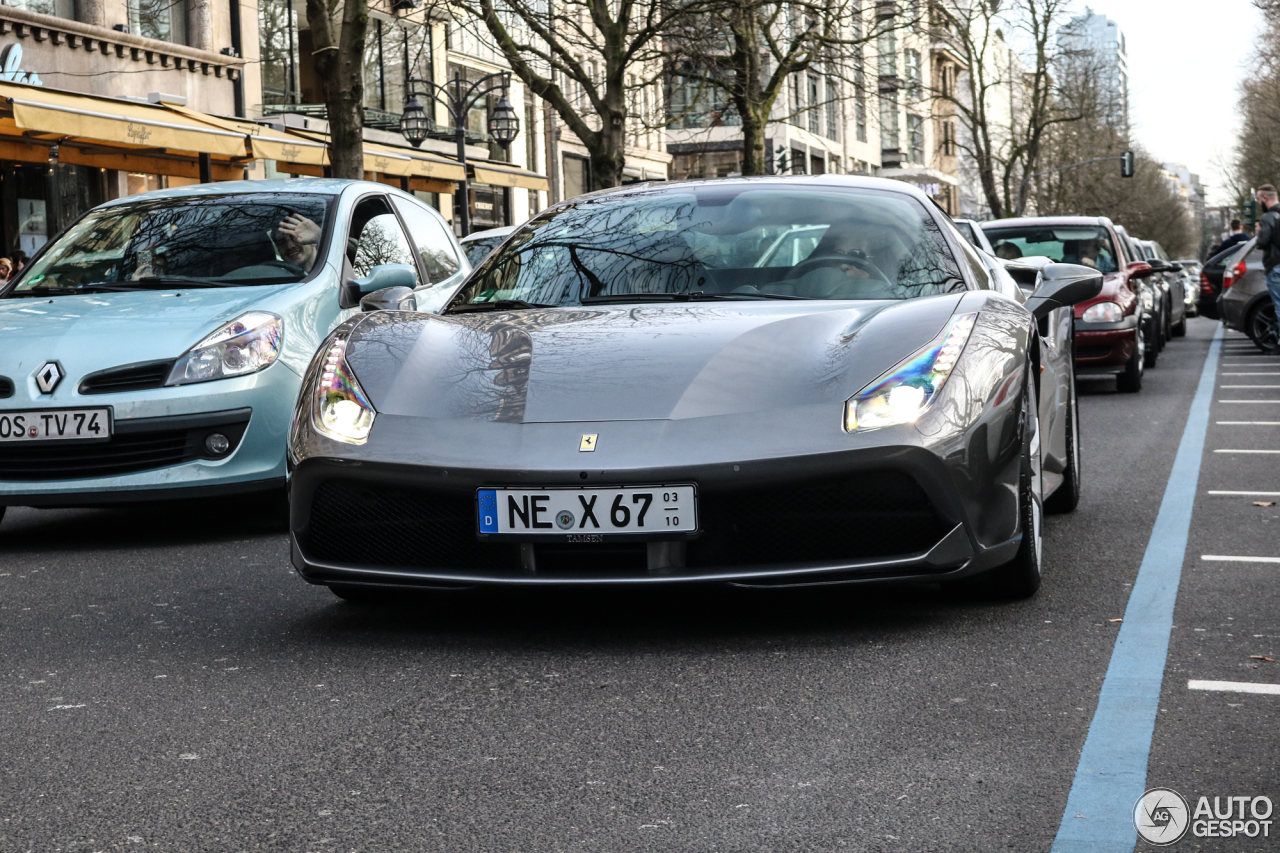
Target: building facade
{"x": 1098, "y": 41}
{"x": 115, "y": 52}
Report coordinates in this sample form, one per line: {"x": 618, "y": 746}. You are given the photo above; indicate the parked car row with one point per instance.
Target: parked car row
{"x": 1145, "y": 300}
{"x": 762, "y": 382}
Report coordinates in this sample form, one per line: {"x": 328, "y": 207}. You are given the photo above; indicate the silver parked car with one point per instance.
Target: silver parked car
{"x": 1245, "y": 303}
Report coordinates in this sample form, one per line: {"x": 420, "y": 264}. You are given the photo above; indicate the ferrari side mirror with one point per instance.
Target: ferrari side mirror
{"x": 389, "y": 299}
{"x": 1062, "y": 285}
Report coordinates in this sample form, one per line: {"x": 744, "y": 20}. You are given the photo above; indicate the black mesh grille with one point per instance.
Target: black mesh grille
{"x": 123, "y": 454}
{"x": 135, "y": 447}
{"x": 131, "y": 377}
{"x": 853, "y": 517}
{"x": 6, "y": 387}
{"x": 381, "y": 526}
{"x": 1092, "y": 352}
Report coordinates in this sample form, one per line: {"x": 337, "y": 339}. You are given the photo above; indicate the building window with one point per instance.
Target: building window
{"x": 949, "y": 138}
{"x": 859, "y": 97}
{"x": 59, "y": 8}
{"x": 815, "y": 98}
{"x": 889, "y": 140}
{"x": 165, "y": 20}
{"x": 797, "y": 100}
{"x": 911, "y": 67}
{"x": 915, "y": 127}
{"x": 692, "y": 104}
{"x": 278, "y": 47}
{"x": 833, "y": 109}
{"x": 798, "y": 161}
{"x": 887, "y": 53}
{"x": 577, "y": 176}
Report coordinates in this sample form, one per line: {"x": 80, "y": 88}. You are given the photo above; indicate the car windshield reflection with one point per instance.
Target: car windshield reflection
{"x": 762, "y": 242}
{"x": 219, "y": 241}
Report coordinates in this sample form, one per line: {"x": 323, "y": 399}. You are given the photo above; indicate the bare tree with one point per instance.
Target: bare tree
{"x": 338, "y": 31}
{"x": 582, "y": 57}
{"x": 744, "y": 52}
{"x": 1007, "y": 101}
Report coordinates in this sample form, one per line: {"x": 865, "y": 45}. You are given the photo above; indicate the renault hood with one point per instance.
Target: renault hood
{"x": 102, "y": 330}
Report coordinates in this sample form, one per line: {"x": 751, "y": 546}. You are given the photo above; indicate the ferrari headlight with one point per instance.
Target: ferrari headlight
{"x": 339, "y": 407}
{"x": 249, "y": 343}
{"x": 1103, "y": 312}
{"x": 907, "y": 391}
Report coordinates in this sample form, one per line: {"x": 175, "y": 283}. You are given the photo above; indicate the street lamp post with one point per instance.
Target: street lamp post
{"x": 416, "y": 123}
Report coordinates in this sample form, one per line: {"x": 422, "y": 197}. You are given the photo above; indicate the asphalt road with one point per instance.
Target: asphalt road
{"x": 167, "y": 683}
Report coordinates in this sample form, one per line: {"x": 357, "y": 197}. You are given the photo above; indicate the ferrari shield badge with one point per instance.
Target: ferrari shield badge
{"x": 588, "y": 443}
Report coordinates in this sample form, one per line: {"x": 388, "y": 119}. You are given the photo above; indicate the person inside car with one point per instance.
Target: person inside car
{"x": 1007, "y": 251}
{"x": 299, "y": 240}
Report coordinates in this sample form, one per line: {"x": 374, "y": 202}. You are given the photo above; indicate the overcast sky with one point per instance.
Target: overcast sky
{"x": 1186, "y": 60}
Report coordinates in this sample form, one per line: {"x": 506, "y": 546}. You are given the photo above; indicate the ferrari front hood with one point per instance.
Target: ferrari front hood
{"x": 635, "y": 362}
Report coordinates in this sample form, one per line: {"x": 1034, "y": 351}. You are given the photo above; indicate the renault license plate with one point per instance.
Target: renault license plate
{"x": 55, "y": 424}
{"x": 588, "y": 512}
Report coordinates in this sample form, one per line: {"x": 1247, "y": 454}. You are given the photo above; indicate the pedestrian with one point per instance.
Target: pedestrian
{"x": 1269, "y": 242}
{"x": 1236, "y": 237}
{"x": 6, "y": 270}
{"x": 19, "y": 259}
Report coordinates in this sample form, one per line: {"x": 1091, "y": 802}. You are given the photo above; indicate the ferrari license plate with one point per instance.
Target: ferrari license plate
{"x": 542, "y": 512}
{"x": 57, "y": 424}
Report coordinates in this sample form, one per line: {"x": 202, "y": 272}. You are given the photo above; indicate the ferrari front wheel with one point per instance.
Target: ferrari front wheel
{"x": 1020, "y": 577}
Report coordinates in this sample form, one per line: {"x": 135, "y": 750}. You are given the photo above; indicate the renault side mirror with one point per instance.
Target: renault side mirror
{"x": 389, "y": 299}
{"x": 387, "y": 275}
{"x": 1062, "y": 285}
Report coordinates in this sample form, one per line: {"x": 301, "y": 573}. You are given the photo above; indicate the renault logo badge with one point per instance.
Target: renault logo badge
{"x": 588, "y": 443}
{"x": 48, "y": 377}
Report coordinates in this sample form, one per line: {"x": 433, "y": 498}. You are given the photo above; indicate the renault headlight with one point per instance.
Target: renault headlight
{"x": 339, "y": 407}
{"x": 249, "y": 343}
{"x": 1103, "y": 312}
{"x": 907, "y": 391}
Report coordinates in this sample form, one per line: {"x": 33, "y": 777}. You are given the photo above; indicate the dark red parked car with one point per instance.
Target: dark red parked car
{"x": 1110, "y": 329}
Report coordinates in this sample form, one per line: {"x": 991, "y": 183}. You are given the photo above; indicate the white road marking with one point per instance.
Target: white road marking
{"x": 1246, "y": 451}
{"x": 1250, "y": 401}
{"x": 1248, "y": 494}
{"x": 1249, "y": 386}
{"x": 1263, "y": 373}
{"x": 1218, "y": 558}
{"x": 1234, "y": 686}
{"x": 1248, "y": 423}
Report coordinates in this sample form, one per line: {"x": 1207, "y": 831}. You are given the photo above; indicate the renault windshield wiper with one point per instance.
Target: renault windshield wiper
{"x": 496, "y": 305}
{"x": 181, "y": 281}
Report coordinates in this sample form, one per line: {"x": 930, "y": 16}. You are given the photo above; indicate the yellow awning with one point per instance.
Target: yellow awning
{"x": 387, "y": 160}
{"x": 267, "y": 142}
{"x": 432, "y": 166}
{"x": 107, "y": 119}
{"x": 510, "y": 176}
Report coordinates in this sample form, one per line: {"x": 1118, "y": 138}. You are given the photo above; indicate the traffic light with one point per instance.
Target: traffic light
{"x": 1250, "y": 214}
{"x": 1126, "y": 164}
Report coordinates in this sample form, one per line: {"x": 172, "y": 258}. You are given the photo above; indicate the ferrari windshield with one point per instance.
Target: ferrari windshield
{"x": 734, "y": 241}
{"x": 1090, "y": 245}
{"x": 200, "y": 241}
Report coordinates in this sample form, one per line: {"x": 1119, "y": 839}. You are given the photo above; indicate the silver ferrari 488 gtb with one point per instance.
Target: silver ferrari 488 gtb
{"x": 757, "y": 381}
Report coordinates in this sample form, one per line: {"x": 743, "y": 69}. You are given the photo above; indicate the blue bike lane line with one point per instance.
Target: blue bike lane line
{"x": 1112, "y": 773}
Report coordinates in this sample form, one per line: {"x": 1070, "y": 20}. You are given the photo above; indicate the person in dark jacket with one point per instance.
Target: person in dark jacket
{"x": 1269, "y": 243}
{"x": 1235, "y": 238}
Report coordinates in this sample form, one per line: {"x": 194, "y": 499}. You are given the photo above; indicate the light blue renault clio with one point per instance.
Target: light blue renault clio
{"x": 156, "y": 348}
